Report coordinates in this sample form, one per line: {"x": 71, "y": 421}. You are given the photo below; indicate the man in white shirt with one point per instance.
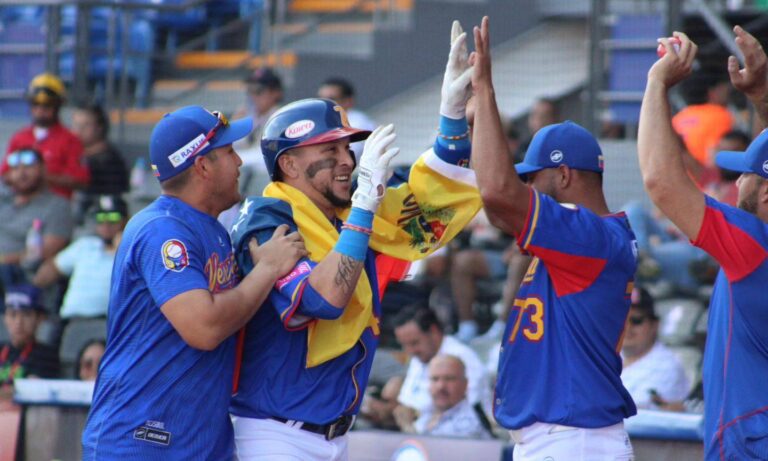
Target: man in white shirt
{"x": 451, "y": 415}
{"x": 652, "y": 373}
{"x": 419, "y": 332}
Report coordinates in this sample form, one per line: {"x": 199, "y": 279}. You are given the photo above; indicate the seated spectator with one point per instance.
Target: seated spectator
{"x": 421, "y": 335}
{"x": 652, "y": 373}
{"x": 89, "y": 359}
{"x": 485, "y": 259}
{"x": 88, "y": 262}
{"x": 109, "y": 175}
{"x": 23, "y": 357}
{"x": 59, "y": 147}
{"x": 451, "y": 414}
{"x": 28, "y": 205}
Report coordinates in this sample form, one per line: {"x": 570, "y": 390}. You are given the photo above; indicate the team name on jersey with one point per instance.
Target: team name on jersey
{"x": 221, "y": 274}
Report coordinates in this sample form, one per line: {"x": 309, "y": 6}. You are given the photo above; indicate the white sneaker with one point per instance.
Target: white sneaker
{"x": 467, "y": 331}
{"x": 495, "y": 332}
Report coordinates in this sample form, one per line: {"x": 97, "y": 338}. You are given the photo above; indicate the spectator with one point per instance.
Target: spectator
{"x": 421, "y": 335}
{"x": 88, "y": 262}
{"x": 722, "y": 184}
{"x": 27, "y": 204}
{"x": 543, "y": 112}
{"x": 109, "y": 175}
{"x": 89, "y": 358}
{"x": 485, "y": 259}
{"x": 341, "y": 90}
{"x": 264, "y": 94}
{"x": 652, "y": 373}
{"x": 704, "y": 121}
{"x": 22, "y": 356}
{"x": 451, "y": 414}
{"x": 60, "y": 148}
{"x": 378, "y": 411}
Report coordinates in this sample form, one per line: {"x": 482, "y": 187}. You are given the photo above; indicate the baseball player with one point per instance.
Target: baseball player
{"x": 165, "y": 381}
{"x": 307, "y": 354}
{"x": 559, "y": 389}
{"x": 736, "y": 354}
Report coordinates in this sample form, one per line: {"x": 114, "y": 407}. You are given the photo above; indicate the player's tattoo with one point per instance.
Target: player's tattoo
{"x": 316, "y": 167}
{"x": 346, "y": 273}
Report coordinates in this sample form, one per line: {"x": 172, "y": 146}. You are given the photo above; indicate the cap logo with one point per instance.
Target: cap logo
{"x": 765, "y": 167}
{"x": 343, "y": 114}
{"x": 181, "y": 155}
{"x": 18, "y": 300}
{"x": 299, "y": 129}
{"x": 556, "y": 156}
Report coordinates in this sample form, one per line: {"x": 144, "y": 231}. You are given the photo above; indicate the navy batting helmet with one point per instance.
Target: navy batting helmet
{"x": 304, "y": 123}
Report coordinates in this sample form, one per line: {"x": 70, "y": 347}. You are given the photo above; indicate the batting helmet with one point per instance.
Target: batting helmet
{"x": 46, "y": 89}
{"x": 304, "y": 123}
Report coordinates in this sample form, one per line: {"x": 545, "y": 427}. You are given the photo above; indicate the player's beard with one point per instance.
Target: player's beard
{"x": 749, "y": 203}
{"x": 335, "y": 200}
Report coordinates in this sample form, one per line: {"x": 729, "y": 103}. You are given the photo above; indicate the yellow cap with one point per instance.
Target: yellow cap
{"x": 46, "y": 89}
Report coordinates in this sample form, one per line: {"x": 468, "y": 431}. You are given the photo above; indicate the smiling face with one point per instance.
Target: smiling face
{"x": 322, "y": 171}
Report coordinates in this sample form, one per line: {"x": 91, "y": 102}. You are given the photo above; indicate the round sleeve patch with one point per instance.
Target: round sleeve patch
{"x": 175, "y": 255}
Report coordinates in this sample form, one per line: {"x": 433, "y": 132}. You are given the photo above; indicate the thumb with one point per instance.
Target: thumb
{"x": 281, "y": 230}
{"x": 464, "y": 78}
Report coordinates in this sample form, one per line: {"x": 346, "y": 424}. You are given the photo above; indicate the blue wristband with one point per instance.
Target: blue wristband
{"x": 453, "y": 151}
{"x": 351, "y": 242}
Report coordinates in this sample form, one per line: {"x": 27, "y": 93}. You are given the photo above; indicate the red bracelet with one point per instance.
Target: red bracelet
{"x": 352, "y": 227}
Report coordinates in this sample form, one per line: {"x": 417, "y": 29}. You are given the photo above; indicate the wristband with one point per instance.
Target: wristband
{"x": 355, "y": 234}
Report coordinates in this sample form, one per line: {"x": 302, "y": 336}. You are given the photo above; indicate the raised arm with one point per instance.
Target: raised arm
{"x": 752, "y": 80}
{"x": 659, "y": 148}
{"x": 505, "y": 197}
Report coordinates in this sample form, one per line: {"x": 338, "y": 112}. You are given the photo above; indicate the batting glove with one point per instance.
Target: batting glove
{"x": 456, "y": 82}
{"x": 371, "y": 178}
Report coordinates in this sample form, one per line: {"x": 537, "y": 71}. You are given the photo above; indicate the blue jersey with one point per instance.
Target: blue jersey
{"x": 736, "y": 355}
{"x": 560, "y": 360}
{"x": 273, "y": 379}
{"x": 156, "y": 398}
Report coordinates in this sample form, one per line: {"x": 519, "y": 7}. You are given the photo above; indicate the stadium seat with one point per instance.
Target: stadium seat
{"x": 678, "y": 318}
{"x": 323, "y": 6}
{"x": 16, "y": 69}
{"x": 77, "y": 334}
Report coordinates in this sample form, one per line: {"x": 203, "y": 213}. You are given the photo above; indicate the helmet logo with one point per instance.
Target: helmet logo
{"x": 299, "y": 129}
{"x": 343, "y": 114}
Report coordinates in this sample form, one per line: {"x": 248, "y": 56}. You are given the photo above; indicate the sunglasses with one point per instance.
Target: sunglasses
{"x": 637, "y": 320}
{"x": 108, "y": 217}
{"x": 24, "y": 157}
{"x": 221, "y": 121}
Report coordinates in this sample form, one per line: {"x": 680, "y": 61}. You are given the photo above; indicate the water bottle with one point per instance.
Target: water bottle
{"x": 33, "y": 253}
{"x": 138, "y": 175}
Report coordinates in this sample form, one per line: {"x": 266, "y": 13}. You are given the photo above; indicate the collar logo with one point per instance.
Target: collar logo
{"x": 175, "y": 255}
{"x": 556, "y": 156}
{"x": 299, "y": 129}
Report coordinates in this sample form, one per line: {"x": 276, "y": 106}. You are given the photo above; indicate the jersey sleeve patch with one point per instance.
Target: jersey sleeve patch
{"x": 570, "y": 273}
{"x": 175, "y": 255}
{"x": 738, "y": 253}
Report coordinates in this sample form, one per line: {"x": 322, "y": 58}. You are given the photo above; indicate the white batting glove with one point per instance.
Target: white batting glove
{"x": 456, "y": 82}
{"x": 372, "y": 175}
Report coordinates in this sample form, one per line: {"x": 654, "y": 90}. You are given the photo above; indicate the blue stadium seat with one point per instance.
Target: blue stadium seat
{"x": 629, "y": 61}
{"x": 17, "y": 69}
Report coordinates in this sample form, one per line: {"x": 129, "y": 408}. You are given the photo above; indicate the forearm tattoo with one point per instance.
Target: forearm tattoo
{"x": 345, "y": 274}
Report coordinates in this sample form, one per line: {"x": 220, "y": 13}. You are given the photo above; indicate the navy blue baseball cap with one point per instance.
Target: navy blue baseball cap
{"x": 190, "y": 131}
{"x": 753, "y": 160}
{"x": 23, "y": 297}
{"x": 564, "y": 143}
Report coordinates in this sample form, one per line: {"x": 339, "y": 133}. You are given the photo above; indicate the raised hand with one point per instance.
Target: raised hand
{"x": 752, "y": 79}
{"x": 675, "y": 66}
{"x": 456, "y": 90}
{"x": 281, "y": 252}
{"x": 372, "y": 175}
{"x": 481, "y": 57}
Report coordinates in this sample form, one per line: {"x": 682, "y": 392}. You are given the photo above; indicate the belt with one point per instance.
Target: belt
{"x": 331, "y": 430}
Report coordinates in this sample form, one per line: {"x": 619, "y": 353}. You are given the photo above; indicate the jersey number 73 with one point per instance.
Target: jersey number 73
{"x": 533, "y": 308}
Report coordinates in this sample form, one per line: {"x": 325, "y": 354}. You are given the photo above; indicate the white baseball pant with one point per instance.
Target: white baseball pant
{"x": 553, "y": 442}
{"x": 270, "y": 440}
